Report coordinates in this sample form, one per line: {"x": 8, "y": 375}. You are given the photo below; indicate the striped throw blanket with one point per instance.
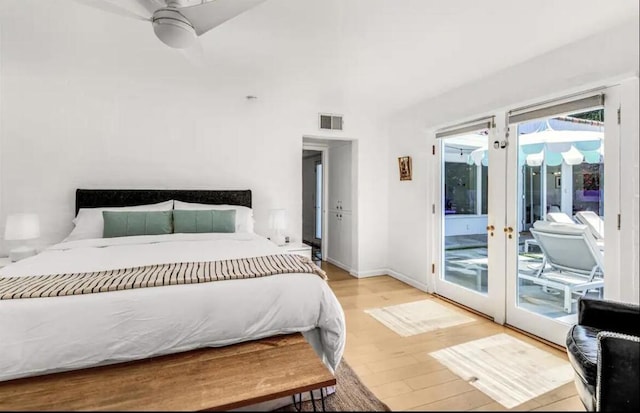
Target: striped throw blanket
{"x": 57, "y": 285}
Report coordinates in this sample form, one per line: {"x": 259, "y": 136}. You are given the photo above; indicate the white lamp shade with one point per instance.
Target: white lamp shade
{"x": 278, "y": 219}
{"x": 22, "y": 226}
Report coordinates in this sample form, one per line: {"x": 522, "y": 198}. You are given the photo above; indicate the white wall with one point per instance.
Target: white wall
{"x": 591, "y": 62}
{"x": 85, "y": 114}
{"x": 59, "y": 134}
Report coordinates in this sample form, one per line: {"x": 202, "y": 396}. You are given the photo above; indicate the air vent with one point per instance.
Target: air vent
{"x": 330, "y": 122}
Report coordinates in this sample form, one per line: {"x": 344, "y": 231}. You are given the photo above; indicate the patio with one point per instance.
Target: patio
{"x": 466, "y": 265}
{"x": 560, "y": 170}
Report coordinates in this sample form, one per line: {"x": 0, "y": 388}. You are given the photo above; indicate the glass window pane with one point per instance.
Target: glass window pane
{"x": 460, "y": 188}
{"x": 485, "y": 189}
{"x": 464, "y": 206}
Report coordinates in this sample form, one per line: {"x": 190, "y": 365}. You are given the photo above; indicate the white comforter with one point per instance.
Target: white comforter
{"x": 43, "y": 335}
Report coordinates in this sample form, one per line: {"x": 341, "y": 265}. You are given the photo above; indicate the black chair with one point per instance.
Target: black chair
{"x": 604, "y": 351}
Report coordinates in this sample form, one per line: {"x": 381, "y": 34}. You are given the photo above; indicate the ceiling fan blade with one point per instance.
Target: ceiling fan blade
{"x": 114, "y": 8}
{"x": 194, "y": 54}
{"x": 149, "y": 6}
{"x": 206, "y": 16}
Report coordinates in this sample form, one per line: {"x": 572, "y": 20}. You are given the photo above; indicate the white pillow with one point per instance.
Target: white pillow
{"x": 244, "y": 215}
{"x": 89, "y": 223}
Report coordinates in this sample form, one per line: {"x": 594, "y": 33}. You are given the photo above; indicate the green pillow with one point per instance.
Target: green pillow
{"x": 128, "y": 223}
{"x": 216, "y": 220}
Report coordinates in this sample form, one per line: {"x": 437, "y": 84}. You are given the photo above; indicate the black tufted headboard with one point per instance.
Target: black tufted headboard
{"x": 94, "y": 198}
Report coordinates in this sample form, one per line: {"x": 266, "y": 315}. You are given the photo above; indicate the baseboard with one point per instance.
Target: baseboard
{"x": 408, "y": 280}
{"x": 369, "y": 273}
{"x": 355, "y": 273}
{"x": 382, "y": 271}
{"x": 339, "y": 264}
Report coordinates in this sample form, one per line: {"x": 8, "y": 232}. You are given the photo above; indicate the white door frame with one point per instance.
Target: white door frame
{"x": 325, "y": 142}
{"x": 324, "y": 149}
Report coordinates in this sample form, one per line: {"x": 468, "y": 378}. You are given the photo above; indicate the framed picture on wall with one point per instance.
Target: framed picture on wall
{"x": 404, "y": 165}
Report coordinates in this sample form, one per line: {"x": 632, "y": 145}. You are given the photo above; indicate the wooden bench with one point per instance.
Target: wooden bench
{"x": 219, "y": 378}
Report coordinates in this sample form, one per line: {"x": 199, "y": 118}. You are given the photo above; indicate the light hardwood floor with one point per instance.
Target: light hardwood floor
{"x": 399, "y": 369}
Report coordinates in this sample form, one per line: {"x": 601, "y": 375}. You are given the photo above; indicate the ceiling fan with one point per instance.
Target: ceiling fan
{"x": 177, "y": 23}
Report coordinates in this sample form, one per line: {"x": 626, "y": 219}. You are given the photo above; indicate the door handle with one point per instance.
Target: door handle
{"x": 491, "y": 228}
{"x": 509, "y": 230}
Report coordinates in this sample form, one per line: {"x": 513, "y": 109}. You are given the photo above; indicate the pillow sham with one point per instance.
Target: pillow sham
{"x": 244, "y": 215}
{"x": 213, "y": 220}
{"x": 89, "y": 222}
{"x": 130, "y": 223}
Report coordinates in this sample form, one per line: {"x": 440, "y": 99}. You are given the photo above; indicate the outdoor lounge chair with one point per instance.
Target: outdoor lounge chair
{"x": 560, "y": 217}
{"x": 593, "y": 221}
{"x": 572, "y": 261}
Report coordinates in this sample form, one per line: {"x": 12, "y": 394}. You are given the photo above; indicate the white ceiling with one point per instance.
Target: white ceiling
{"x": 382, "y": 54}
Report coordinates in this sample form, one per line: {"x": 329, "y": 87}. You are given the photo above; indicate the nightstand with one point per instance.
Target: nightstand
{"x": 4, "y": 261}
{"x": 298, "y": 248}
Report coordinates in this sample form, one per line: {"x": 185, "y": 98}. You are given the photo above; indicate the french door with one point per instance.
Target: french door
{"x": 499, "y": 188}
{"x": 470, "y": 245}
{"x": 561, "y": 167}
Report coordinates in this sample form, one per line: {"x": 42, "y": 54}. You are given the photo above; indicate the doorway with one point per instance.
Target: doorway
{"x": 329, "y": 188}
{"x": 521, "y": 215}
{"x": 312, "y": 201}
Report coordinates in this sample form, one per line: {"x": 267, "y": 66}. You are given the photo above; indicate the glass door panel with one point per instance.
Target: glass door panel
{"x": 464, "y": 172}
{"x": 466, "y": 245}
{"x": 560, "y": 184}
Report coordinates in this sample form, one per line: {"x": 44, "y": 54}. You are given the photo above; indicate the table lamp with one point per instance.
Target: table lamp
{"x": 22, "y": 227}
{"x": 277, "y": 224}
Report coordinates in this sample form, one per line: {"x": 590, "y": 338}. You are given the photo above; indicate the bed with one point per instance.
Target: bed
{"x": 50, "y": 334}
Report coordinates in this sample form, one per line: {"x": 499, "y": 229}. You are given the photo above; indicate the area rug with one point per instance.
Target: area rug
{"x": 506, "y": 369}
{"x": 418, "y": 317}
{"x": 351, "y": 395}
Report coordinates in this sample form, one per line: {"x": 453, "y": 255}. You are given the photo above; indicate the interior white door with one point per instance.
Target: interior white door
{"x": 345, "y": 224}
{"x": 340, "y": 229}
{"x": 333, "y": 233}
{"x": 340, "y": 239}
{"x": 340, "y": 176}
